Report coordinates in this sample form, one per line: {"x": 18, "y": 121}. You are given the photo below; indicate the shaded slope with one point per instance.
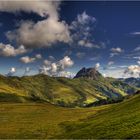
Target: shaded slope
{"x": 132, "y": 81}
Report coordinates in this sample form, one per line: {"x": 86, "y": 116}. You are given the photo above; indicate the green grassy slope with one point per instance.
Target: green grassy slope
{"x": 41, "y": 121}
{"x": 120, "y": 121}
{"x": 37, "y": 120}
{"x": 61, "y": 91}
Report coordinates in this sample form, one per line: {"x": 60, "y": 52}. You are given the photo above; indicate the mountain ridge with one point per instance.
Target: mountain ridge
{"x": 80, "y": 91}
{"x": 131, "y": 81}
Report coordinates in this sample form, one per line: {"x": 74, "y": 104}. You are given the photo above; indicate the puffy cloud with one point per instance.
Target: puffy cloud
{"x": 40, "y": 7}
{"x": 54, "y": 71}
{"x": 44, "y": 70}
{"x": 133, "y": 70}
{"x": 41, "y": 34}
{"x": 38, "y": 56}
{"x": 116, "y": 50}
{"x": 81, "y": 29}
{"x": 97, "y": 65}
{"x": 138, "y": 62}
{"x": 81, "y": 42}
{"x": 12, "y": 71}
{"x": 82, "y": 20}
{"x": 61, "y": 64}
{"x": 44, "y": 33}
{"x": 80, "y": 54}
{"x": 85, "y": 19}
{"x": 8, "y": 50}
{"x": 56, "y": 68}
{"x": 137, "y": 48}
{"x": 66, "y": 62}
{"x": 27, "y": 59}
{"x": 110, "y": 63}
{"x": 88, "y": 44}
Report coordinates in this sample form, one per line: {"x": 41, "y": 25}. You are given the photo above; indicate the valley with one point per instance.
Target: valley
{"x": 39, "y": 120}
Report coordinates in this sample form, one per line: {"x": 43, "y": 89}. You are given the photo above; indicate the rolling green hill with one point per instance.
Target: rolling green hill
{"x": 61, "y": 91}
{"x": 43, "y": 120}
{"x": 119, "y": 121}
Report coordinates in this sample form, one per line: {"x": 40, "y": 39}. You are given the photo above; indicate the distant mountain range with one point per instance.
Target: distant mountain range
{"x": 132, "y": 81}
{"x": 88, "y": 86}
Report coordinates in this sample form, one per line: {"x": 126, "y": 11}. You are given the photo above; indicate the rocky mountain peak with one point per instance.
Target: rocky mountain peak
{"x": 90, "y": 73}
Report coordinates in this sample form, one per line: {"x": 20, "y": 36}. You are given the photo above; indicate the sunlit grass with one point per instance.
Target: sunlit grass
{"x": 38, "y": 120}
{"x": 120, "y": 121}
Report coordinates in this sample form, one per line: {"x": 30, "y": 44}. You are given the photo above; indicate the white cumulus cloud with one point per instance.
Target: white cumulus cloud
{"x": 27, "y": 59}
{"x": 66, "y": 62}
{"x": 56, "y": 68}
{"x": 43, "y": 33}
{"x": 12, "y": 71}
{"x": 137, "y": 48}
{"x": 40, "y": 7}
{"x": 133, "y": 70}
{"x": 116, "y": 51}
{"x": 8, "y": 50}
{"x": 81, "y": 31}
{"x": 138, "y": 62}
{"x": 97, "y": 65}
{"x": 38, "y": 56}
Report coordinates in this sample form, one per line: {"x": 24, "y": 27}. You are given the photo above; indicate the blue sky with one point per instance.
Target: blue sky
{"x": 59, "y": 38}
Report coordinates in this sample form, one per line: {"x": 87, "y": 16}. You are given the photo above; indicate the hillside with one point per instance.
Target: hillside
{"x": 62, "y": 91}
{"x": 43, "y": 120}
{"x": 120, "y": 121}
